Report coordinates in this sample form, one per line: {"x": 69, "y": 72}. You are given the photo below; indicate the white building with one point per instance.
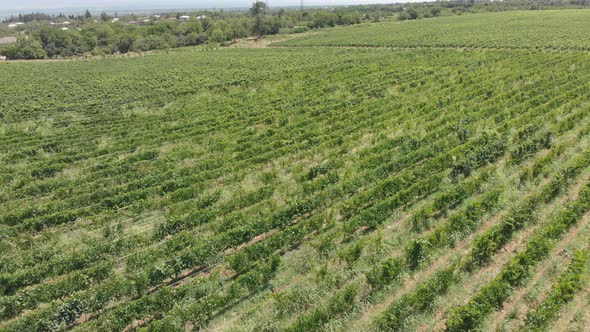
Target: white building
{"x": 185, "y": 17}
{"x": 2, "y": 58}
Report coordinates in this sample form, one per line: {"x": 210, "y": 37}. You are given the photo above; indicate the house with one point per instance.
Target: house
{"x": 185, "y": 17}
{"x": 156, "y": 16}
{"x": 202, "y": 17}
{"x": 116, "y": 19}
{"x": 64, "y": 28}
{"x": 2, "y": 58}
{"x": 66, "y": 23}
{"x": 132, "y": 22}
{"x": 7, "y": 40}
{"x": 12, "y": 25}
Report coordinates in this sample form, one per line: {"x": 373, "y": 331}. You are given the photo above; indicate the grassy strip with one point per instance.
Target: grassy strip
{"x": 562, "y": 292}
{"x": 518, "y": 269}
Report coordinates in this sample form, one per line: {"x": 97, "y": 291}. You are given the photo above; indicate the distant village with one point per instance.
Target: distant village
{"x": 150, "y": 19}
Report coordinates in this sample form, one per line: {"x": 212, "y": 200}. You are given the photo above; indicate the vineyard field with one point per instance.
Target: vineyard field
{"x": 550, "y": 29}
{"x": 438, "y": 180}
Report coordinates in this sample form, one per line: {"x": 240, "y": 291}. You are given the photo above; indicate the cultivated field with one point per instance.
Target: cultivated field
{"x": 305, "y": 188}
{"x": 556, "y": 29}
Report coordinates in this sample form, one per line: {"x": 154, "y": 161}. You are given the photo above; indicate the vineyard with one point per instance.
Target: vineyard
{"x": 415, "y": 188}
{"x": 560, "y": 30}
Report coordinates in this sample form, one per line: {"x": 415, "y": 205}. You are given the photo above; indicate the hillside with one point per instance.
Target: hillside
{"x": 437, "y": 182}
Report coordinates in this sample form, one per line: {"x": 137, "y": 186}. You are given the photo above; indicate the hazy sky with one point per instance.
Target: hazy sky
{"x": 28, "y": 5}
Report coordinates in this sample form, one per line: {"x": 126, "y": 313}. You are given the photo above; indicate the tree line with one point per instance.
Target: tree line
{"x": 44, "y": 36}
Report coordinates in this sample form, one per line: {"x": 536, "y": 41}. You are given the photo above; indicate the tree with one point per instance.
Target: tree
{"x": 104, "y": 35}
{"x": 323, "y": 19}
{"x": 221, "y": 32}
{"x": 238, "y": 29}
{"x": 409, "y": 14}
{"x": 87, "y": 14}
{"x": 258, "y": 10}
{"x": 218, "y": 35}
{"x": 435, "y": 11}
{"x": 270, "y": 26}
{"x": 122, "y": 44}
{"x": 104, "y": 17}
{"x": 151, "y": 42}
{"x": 61, "y": 43}
{"x": 26, "y": 48}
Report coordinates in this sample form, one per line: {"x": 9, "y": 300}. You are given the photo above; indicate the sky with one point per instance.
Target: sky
{"x": 38, "y": 5}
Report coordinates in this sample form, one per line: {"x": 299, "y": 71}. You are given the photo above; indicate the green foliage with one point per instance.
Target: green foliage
{"x": 419, "y": 249}
{"x": 527, "y": 141}
{"x": 25, "y": 49}
{"x": 340, "y": 303}
{"x": 519, "y": 29}
{"x": 384, "y": 274}
{"x": 176, "y": 189}
{"x": 419, "y": 300}
{"x": 517, "y": 270}
{"x": 564, "y": 289}
{"x": 487, "y": 244}
{"x": 49, "y": 37}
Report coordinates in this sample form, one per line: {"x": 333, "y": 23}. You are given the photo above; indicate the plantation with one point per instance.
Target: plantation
{"x": 551, "y": 29}
{"x": 414, "y": 186}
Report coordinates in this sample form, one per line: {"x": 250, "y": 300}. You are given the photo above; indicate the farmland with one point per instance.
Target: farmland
{"x": 429, "y": 182}
{"x": 563, "y": 29}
